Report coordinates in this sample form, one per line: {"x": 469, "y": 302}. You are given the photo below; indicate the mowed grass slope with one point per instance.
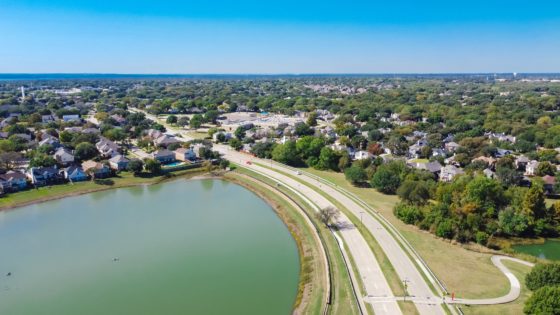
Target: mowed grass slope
{"x": 467, "y": 273}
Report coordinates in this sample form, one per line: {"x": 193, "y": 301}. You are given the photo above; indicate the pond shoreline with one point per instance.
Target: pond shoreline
{"x": 139, "y": 181}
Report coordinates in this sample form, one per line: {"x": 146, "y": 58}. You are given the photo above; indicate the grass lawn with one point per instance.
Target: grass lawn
{"x": 124, "y": 179}
{"x": 467, "y": 273}
{"x": 343, "y": 301}
{"x": 515, "y": 307}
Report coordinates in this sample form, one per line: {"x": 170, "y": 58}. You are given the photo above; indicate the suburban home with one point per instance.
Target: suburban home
{"x": 13, "y": 181}
{"x": 74, "y": 173}
{"x": 107, "y": 148}
{"x": 163, "y": 156}
{"x": 432, "y": 167}
{"x": 165, "y": 141}
{"x": 549, "y": 184}
{"x": 451, "y": 146}
{"x": 118, "y": 162}
{"x": 94, "y": 131}
{"x": 500, "y": 153}
{"x": 490, "y": 161}
{"x": 531, "y": 168}
{"x": 96, "y": 169}
{"x": 41, "y": 176}
{"x": 45, "y": 119}
{"x": 196, "y": 148}
{"x": 63, "y": 156}
{"x": 521, "y": 162}
{"x": 50, "y": 140}
{"x": 362, "y": 155}
{"x": 183, "y": 154}
{"x": 448, "y": 172}
{"x": 68, "y": 118}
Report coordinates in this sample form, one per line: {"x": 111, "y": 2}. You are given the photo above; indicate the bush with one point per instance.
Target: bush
{"x": 409, "y": 214}
{"x": 445, "y": 229}
{"x": 543, "y": 275}
{"x": 545, "y": 300}
{"x": 481, "y": 238}
{"x": 385, "y": 180}
{"x": 355, "y": 174}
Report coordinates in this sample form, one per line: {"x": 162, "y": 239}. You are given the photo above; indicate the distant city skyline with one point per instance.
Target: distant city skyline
{"x": 290, "y": 37}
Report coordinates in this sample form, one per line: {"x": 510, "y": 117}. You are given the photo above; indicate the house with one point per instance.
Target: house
{"x": 96, "y": 169}
{"x": 45, "y": 119}
{"x": 521, "y": 162}
{"x": 362, "y": 155}
{"x": 50, "y": 140}
{"x": 448, "y": 172}
{"x": 41, "y": 176}
{"x": 13, "y": 181}
{"x": 183, "y": 154}
{"x": 500, "y": 153}
{"x": 432, "y": 167}
{"x": 63, "y": 156}
{"x": 549, "y": 184}
{"x": 490, "y": 161}
{"x": 451, "y": 146}
{"x": 163, "y": 156}
{"x": 107, "y": 148}
{"x": 94, "y": 131}
{"x": 69, "y": 118}
{"x": 74, "y": 173}
{"x": 531, "y": 168}
{"x": 165, "y": 141}
{"x": 118, "y": 162}
{"x": 437, "y": 152}
{"x": 154, "y": 134}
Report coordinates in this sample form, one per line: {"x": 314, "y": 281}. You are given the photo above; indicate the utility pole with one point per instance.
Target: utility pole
{"x": 361, "y": 218}
{"x": 405, "y": 283}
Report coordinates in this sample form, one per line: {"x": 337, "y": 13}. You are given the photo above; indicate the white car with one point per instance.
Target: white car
{"x": 298, "y": 173}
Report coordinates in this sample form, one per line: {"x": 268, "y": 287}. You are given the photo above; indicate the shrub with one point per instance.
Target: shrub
{"x": 545, "y": 300}
{"x": 409, "y": 214}
{"x": 543, "y": 275}
{"x": 445, "y": 229}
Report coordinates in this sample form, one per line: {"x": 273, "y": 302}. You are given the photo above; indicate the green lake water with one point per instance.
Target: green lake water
{"x": 183, "y": 247}
{"x": 549, "y": 250}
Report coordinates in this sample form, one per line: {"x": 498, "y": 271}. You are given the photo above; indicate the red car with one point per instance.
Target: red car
{"x": 248, "y": 162}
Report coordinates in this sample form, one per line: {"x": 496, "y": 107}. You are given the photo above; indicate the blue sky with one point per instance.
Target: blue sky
{"x": 279, "y": 37}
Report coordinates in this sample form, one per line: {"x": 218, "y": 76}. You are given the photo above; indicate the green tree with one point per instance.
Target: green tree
{"x": 239, "y": 133}
{"x": 386, "y": 179}
{"x": 171, "y": 119}
{"x": 408, "y": 213}
{"x": 42, "y": 160}
{"x": 545, "y": 168}
{"x": 183, "y": 121}
{"x": 152, "y": 166}
{"x": 355, "y": 174}
{"x": 414, "y": 192}
{"x": 286, "y": 153}
{"x": 236, "y": 144}
{"x": 312, "y": 119}
{"x": 328, "y": 159}
{"x": 135, "y": 166}
{"x": 543, "y": 275}
{"x": 196, "y": 121}
{"x": 211, "y": 116}
{"x": 534, "y": 203}
{"x": 85, "y": 151}
{"x": 545, "y": 300}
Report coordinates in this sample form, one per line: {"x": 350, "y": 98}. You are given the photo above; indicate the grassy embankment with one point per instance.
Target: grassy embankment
{"x": 124, "y": 179}
{"x": 468, "y": 273}
{"x": 389, "y": 271}
{"x": 343, "y": 300}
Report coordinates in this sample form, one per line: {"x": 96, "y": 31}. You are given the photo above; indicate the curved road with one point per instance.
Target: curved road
{"x": 378, "y": 292}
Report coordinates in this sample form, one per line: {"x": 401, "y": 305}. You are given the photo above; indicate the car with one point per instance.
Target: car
{"x": 248, "y": 163}
{"x": 298, "y": 173}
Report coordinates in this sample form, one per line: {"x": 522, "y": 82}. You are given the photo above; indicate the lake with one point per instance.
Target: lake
{"x": 549, "y": 250}
{"x": 183, "y": 247}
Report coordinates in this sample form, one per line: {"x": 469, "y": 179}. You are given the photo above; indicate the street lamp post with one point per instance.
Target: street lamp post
{"x": 361, "y": 218}
{"x": 405, "y": 283}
